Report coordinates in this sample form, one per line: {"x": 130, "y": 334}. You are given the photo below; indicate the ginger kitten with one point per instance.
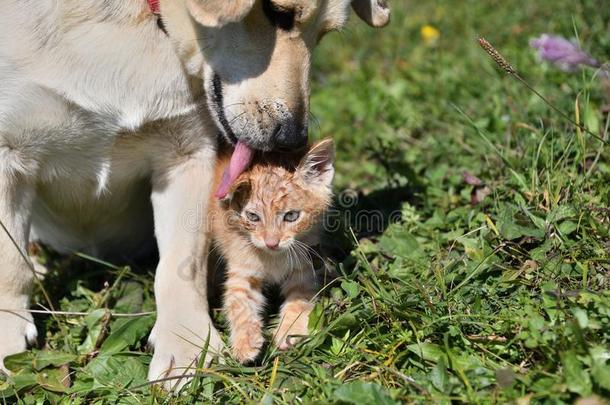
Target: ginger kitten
{"x": 265, "y": 229}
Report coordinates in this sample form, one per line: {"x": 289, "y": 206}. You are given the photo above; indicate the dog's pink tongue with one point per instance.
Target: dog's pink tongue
{"x": 240, "y": 160}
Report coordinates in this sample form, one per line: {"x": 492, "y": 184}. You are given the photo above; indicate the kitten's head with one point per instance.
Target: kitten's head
{"x": 279, "y": 203}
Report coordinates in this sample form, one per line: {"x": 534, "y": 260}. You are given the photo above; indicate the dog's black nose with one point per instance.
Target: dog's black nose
{"x": 290, "y": 134}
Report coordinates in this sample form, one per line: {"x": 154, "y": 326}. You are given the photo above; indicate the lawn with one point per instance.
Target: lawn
{"x": 472, "y": 251}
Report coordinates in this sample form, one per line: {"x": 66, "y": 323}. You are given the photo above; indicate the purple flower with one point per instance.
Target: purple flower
{"x": 565, "y": 54}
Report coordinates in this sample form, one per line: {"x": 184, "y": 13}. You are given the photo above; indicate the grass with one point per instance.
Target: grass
{"x": 488, "y": 293}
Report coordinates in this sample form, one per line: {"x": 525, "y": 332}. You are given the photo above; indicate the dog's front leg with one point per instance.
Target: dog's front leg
{"x": 16, "y": 325}
{"x": 183, "y": 326}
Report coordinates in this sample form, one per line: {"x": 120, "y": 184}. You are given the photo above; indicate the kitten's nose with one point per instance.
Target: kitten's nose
{"x": 272, "y": 243}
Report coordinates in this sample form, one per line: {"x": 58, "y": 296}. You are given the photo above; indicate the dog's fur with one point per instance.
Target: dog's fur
{"x": 108, "y": 126}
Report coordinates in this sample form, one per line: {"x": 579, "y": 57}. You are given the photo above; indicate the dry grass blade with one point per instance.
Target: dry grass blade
{"x": 75, "y": 313}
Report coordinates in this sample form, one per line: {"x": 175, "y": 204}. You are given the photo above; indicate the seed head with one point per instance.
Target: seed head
{"x": 497, "y": 57}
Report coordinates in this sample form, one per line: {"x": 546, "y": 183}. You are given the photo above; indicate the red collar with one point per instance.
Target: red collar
{"x": 154, "y": 6}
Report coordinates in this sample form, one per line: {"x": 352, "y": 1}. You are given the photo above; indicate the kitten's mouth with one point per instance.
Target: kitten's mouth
{"x": 274, "y": 251}
{"x": 240, "y": 160}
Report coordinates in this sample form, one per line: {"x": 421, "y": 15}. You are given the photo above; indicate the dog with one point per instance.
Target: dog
{"x": 109, "y": 117}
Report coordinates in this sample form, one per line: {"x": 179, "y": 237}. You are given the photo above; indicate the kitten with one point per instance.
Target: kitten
{"x": 265, "y": 229}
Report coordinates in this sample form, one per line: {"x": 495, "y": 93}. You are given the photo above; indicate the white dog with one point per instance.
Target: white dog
{"x": 107, "y": 134}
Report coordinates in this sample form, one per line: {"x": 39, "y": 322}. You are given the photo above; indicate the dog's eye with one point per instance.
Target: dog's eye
{"x": 291, "y": 216}
{"x": 279, "y": 17}
{"x": 252, "y": 217}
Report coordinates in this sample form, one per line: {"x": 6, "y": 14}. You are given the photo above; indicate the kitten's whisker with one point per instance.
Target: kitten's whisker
{"x": 294, "y": 249}
{"x": 307, "y": 259}
{"x": 299, "y": 257}
{"x": 215, "y": 246}
{"x": 298, "y": 251}
{"x": 310, "y": 250}
{"x": 292, "y": 262}
{"x": 289, "y": 257}
{"x": 306, "y": 255}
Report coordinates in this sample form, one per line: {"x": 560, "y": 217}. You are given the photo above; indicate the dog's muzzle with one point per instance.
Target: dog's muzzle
{"x": 284, "y": 132}
{"x": 289, "y": 134}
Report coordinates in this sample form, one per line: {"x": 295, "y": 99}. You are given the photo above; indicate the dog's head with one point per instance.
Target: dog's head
{"x": 256, "y": 61}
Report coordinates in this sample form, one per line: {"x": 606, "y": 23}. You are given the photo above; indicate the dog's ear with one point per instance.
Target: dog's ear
{"x": 375, "y": 13}
{"x": 216, "y": 13}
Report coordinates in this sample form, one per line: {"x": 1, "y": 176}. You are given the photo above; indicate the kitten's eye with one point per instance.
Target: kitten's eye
{"x": 291, "y": 216}
{"x": 252, "y": 217}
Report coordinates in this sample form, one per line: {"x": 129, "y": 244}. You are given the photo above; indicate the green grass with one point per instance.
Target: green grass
{"x": 501, "y": 301}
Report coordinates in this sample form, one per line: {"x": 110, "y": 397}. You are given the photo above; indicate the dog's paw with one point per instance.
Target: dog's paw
{"x": 17, "y": 330}
{"x": 177, "y": 351}
{"x": 293, "y": 324}
{"x": 247, "y": 342}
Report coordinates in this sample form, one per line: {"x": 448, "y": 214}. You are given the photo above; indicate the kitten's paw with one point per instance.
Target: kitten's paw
{"x": 293, "y": 324}
{"x": 177, "y": 350}
{"x": 247, "y": 342}
{"x": 18, "y": 330}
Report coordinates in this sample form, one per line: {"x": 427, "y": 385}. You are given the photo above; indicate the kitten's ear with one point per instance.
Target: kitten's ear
{"x": 238, "y": 194}
{"x": 316, "y": 167}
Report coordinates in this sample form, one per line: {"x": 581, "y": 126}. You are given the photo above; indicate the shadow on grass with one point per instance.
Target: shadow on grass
{"x": 366, "y": 218}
